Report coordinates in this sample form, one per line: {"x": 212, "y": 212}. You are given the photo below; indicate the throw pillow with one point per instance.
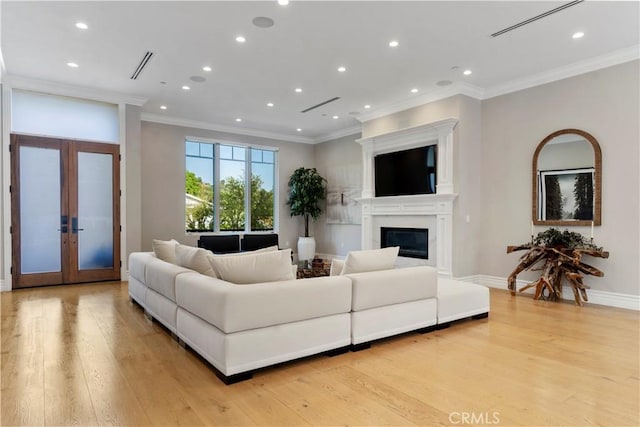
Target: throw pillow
{"x": 195, "y": 259}
{"x": 370, "y": 260}
{"x": 336, "y": 267}
{"x": 165, "y": 249}
{"x": 254, "y": 268}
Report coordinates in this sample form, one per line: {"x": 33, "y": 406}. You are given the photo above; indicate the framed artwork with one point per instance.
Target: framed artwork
{"x": 343, "y": 190}
{"x": 566, "y": 194}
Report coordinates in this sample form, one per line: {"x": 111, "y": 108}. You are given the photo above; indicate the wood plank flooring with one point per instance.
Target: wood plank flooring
{"x": 85, "y": 355}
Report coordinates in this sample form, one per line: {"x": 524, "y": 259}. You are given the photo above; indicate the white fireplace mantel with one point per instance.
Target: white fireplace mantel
{"x": 435, "y": 209}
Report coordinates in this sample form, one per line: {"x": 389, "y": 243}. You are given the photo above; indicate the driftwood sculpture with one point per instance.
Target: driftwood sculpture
{"x": 556, "y": 262}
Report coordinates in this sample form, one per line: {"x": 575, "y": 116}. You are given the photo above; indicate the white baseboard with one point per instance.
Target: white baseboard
{"x": 5, "y": 285}
{"x": 611, "y": 299}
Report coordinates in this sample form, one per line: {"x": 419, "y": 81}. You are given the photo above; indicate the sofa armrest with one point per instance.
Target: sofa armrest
{"x": 394, "y": 286}
{"x": 137, "y": 264}
{"x": 233, "y": 308}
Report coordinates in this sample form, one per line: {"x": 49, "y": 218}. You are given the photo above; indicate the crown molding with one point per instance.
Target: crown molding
{"x": 62, "y": 89}
{"x": 459, "y": 88}
{"x": 608, "y": 60}
{"x": 338, "y": 134}
{"x": 177, "y": 121}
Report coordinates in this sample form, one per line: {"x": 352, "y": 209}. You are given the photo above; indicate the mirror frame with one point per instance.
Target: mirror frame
{"x": 597, "y": 197}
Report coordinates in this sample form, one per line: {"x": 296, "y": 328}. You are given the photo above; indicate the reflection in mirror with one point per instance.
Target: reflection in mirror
{"x": 566, "y": 179}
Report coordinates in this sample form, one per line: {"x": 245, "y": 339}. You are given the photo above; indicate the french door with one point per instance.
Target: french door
{"x": 65, "y": 211}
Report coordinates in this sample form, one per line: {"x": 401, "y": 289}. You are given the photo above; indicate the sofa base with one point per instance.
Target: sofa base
{"x": 445, "y": 325}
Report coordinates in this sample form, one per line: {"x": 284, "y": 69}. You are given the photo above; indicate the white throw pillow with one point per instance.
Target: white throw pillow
{"x": 336, "y": 267}
{"x": 371, "y": 260}
{"x": 195, "y": 259}
{"x": 165, "y": 249}
{"x": 254, "y": 268}
{"x": 257, "y": 251}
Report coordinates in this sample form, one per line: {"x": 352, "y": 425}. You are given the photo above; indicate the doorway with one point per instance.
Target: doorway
{"x": 65, "y": 211}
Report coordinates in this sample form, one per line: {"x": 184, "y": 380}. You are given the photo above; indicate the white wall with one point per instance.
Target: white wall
{"x": 604, "y": 103}
{"x": 163, "y": 171}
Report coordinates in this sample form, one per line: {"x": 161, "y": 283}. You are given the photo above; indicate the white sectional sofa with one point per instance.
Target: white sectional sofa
{"x": 241, "y": 328}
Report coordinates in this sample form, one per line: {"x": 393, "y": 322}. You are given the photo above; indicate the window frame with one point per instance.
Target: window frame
{"x": 247, "y": 179}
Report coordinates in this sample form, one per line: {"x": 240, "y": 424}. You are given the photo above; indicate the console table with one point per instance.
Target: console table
{"x": 556, "y": 263}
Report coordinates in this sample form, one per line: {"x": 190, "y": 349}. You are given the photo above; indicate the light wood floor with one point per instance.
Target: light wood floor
{"x": 85, "y": 355}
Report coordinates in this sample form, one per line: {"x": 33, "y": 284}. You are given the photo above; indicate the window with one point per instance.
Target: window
{"x": 217, "y": 176}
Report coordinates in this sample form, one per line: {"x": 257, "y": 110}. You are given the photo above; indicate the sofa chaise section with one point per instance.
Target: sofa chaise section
{"x": 391, "y": 302}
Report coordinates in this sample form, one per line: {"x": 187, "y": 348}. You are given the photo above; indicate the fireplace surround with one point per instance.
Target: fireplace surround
{"x": 432, "y": 211}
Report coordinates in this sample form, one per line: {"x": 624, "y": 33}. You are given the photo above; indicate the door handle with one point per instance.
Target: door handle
{"x": 64, "y": 222}
{"x": 74, "y": 225}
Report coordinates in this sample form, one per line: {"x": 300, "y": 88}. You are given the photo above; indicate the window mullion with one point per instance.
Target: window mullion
{"x": 216, "y": 187}
{"x": 247, "y": 191}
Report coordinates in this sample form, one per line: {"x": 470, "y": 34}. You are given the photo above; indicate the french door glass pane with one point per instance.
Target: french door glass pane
{"x": 40, "y": 250}
{"x": 95, "y": 211}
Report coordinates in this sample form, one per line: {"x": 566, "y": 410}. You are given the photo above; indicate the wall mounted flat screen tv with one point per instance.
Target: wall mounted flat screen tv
{"x": 404, "y": 173}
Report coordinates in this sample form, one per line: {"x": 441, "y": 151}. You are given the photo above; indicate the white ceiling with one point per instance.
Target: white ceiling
{"x": 309, "y": 41}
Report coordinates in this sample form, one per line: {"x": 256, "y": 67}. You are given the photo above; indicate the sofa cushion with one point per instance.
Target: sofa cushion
{"x": 196, "y": 259}
{"x": 379, "y": 288}
{"x": 259, "y": 267}
{"x": 232, "y": 308}
{"x": 161, "y": 276}
{"x": 165, "y": 249}
{"x": 370, "y": 260}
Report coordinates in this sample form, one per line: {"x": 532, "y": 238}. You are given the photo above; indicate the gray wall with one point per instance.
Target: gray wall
{"x": 603, "y": 103}
{"x": 163, "y": 170}
{"x": 467, "y": 152}
{"x": 338, "y": 239}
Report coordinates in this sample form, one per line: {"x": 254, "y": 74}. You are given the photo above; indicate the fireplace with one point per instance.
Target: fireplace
{"x": 413, "y": 242}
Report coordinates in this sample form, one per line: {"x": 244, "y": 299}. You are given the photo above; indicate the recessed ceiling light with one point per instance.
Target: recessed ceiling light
{"x": 414, "y": 90}
{"x": 342, "y": 69}
{"x": 299, "y": 130}
{"x": 186, "y": 87}
{"x": 72, "y": 64}
{"x": 241, "y": 39}
{"x": 206, "y": 68}
{"x": 393, "y": 43}
{"x": 283, "y": 2}
{"x": 578, "y": 35}
{"x": 81, "y": 25}
{"x": 163, "y": 107}
{"x": 238, "y": 119}
{"x": 269, "y": 104}
{"x": 336, "y": 117}
{"x": 467, "y": 72}
{"x": 298, "y": 89}
{"x": 367, "y": 106}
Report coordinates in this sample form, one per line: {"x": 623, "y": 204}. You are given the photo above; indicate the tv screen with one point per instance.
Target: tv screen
{"x": 407, "y": 172}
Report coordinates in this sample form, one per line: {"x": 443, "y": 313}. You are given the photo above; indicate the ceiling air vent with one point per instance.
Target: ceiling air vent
{"x": 145, "y": 60}
{"x": 535, "y": 18}
{"x": 321, "y": 104}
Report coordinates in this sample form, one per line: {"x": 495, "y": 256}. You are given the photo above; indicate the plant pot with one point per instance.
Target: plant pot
{"x": 306, "y": 248}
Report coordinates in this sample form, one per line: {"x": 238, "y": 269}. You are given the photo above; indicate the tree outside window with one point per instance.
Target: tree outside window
{"x": 234, "y": 165}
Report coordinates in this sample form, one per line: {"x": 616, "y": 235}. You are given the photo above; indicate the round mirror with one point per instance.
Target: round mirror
{"x": 567, "y": 177}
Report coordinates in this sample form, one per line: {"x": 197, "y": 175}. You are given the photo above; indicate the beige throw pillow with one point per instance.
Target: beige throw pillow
{"x": 196, "y": 259}
{"x": 336, "y": 267}
{"x": 254, "y": 268}
{"x": 165, "y": 249}
{"x": 370, "y": 260}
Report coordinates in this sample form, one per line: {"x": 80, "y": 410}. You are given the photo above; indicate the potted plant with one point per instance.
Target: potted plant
{"x": 306, "y": 190}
